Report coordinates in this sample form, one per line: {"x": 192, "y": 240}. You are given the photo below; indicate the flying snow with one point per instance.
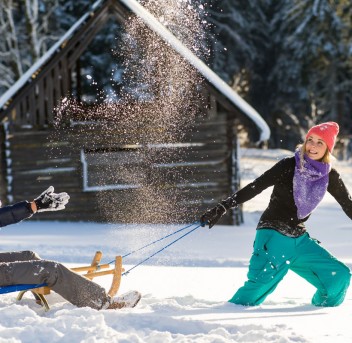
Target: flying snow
{"x": 157, "y": 105}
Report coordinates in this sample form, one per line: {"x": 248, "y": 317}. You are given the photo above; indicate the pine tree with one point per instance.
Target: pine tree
{"x": 313, "y": 70}
{"x": 290, "y": 59}
{"x": 235, "y": 34}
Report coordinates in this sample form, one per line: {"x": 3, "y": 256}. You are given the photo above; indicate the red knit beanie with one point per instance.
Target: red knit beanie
{"x": 327, "y": 132}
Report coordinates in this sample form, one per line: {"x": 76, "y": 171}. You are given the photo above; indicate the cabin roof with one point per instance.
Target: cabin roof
{"x": 136, "y": 8}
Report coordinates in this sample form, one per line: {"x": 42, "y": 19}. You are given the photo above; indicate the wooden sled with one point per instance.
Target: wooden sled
{"x": 94, "y": 270}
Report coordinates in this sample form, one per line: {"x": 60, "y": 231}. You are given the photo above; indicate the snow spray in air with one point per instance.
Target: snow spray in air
{"x": 138, "y": 149}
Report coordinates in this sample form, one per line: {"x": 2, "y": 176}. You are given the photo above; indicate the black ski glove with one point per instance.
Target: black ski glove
{"x": 212, "y": 216}
{"x": 50, "y": 201}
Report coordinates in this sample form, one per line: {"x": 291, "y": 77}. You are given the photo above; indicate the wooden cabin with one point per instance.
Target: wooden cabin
{"x": 105, "y": 169}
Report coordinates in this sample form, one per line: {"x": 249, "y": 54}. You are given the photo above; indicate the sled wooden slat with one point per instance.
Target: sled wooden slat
{"x": 116, "y": 281}
{"x": 43, "y": 290}
{"x": 90, "y": 269}
{"x": 95, "y": 262}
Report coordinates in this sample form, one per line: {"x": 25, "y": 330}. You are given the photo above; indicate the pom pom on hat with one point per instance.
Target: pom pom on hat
{"x": 327, "y": 132}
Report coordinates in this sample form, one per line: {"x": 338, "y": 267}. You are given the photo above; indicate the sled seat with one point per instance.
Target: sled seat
{"x": 95, "y": 269}
{"x": 35, "y": 289}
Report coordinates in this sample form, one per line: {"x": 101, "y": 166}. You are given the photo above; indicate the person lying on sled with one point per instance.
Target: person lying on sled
{"x": 282, "y": 242}
{"x": 26, "y": 267}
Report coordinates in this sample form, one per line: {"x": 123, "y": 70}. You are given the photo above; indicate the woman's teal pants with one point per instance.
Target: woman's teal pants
{"x": 275, "y": 254}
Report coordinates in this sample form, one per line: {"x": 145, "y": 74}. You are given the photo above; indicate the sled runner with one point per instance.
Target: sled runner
{"x": 94, "y": 270}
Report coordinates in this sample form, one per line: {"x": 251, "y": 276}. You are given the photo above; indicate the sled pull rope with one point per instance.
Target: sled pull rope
{"x": 166, "y": 246}
{"x": 156, "y": 241}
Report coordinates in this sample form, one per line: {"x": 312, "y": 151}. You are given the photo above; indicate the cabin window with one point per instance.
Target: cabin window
{"x": 106, "y": 168}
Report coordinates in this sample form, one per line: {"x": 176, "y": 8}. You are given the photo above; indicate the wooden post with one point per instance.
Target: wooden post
{"x": 95, "y": 262}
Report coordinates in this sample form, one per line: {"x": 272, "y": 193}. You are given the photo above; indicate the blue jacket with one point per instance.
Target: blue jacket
{"x": 15, "y": 213}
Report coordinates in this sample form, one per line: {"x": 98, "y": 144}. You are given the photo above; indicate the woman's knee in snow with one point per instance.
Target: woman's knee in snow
{"x": 341, "y": 277}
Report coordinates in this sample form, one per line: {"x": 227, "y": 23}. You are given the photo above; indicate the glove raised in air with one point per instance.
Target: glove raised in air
{"x": 50, "y": 201}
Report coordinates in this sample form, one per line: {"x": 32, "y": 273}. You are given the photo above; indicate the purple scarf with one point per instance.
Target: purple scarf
{"x": 310, "y": 183}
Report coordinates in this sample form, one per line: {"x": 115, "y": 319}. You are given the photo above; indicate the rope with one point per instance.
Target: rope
{"x": 173, "y": 242}
{"x": 156, "y": 241}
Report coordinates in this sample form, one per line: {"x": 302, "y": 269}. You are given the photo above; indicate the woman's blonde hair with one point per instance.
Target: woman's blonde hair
{"x": 302, "y": 147}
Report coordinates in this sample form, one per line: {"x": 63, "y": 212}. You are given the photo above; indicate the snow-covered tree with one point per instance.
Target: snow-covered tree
{"x": 237, "y": 28}
{"x": 10, "y": 52}
{"x": 290, "y": 59}
{"x": 313, "y": 70}
{"x": 28, "y": 28}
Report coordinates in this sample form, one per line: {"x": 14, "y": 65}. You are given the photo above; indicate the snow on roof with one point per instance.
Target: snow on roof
{"x": 213, "y": 78}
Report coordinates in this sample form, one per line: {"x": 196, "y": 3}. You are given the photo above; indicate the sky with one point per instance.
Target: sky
{"x": 185, "y": 287}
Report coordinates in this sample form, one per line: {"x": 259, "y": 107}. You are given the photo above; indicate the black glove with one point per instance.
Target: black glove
{"x": 212, "y": 216}
{"x": 50, "y": 201}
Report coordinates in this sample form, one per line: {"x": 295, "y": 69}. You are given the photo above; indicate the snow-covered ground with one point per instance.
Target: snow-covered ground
{"x": 186, "y": 286}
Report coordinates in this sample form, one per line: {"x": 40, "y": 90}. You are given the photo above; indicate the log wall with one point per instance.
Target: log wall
{"x": 180, "y": 183}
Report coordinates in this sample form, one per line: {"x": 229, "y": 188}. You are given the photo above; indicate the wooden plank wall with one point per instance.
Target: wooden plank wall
{"x": 172, "y": 193}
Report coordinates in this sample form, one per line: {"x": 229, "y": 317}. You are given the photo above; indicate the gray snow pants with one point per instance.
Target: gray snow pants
{"x": 26, "y": 267}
